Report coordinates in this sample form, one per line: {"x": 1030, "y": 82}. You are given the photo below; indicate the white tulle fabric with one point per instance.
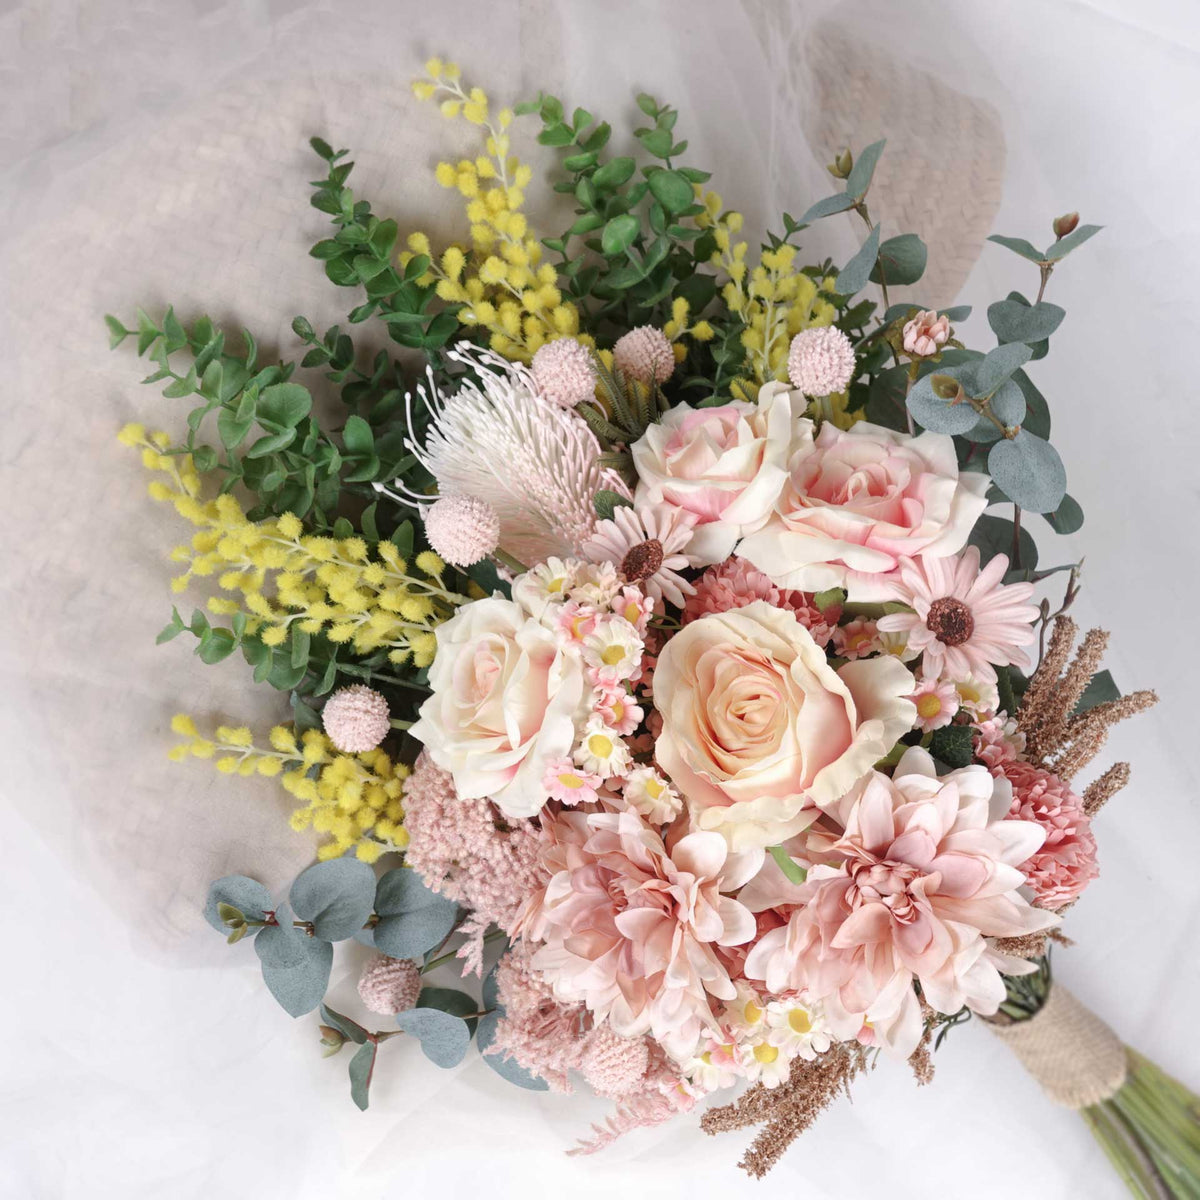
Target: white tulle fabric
{"x": 155, "y": 153}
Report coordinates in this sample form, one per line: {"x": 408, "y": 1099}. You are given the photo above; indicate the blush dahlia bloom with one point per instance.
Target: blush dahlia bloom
{"x": 648, "y": 546}
{"x": 964, "y": 621}
{"x": 759, "y": 730}
{"x": 1065, "y": 863}
{"x": 736, "y": 583}
{"x": 630, "y": 928}
{"x": 725, "y": 465}
{"x": 858, "y": 500}
{"x": 923, "y": 874}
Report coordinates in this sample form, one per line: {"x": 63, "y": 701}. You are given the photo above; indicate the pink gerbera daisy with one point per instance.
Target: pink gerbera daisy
{"x": 569, "y": 784}
{"x": 964, "y": 620}
{"x": 937, "y": 702}
{"x": 647, "y": 545}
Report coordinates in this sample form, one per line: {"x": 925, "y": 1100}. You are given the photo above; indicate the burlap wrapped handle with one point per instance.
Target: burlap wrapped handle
{"x": 1076, "y": 1058}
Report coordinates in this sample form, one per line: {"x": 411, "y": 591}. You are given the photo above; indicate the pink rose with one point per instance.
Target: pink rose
{"x": 758, "y": 729}
{"x": 926, "y": 333}
{"x": 724, "y": 464}
{"x": 858, "y": 500}
{"x": 505, "y": 699}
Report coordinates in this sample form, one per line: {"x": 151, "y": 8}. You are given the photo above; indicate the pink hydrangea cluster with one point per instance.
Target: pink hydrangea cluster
{"x": 735, "y": 583}
{"x": 1065, "y": 863}
{"x": 465, "y": 851}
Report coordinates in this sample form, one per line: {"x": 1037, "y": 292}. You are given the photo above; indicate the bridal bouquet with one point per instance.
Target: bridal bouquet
{"x": 659, "y": 614}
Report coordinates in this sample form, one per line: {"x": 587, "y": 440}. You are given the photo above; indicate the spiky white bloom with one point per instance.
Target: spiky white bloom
{"x": 535, "y": 463}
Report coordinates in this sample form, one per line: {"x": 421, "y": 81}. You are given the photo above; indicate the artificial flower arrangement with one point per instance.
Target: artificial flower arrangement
{"x": 670, "y": 643}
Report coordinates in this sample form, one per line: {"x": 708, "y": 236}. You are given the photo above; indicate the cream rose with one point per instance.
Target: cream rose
{"x": 857, "y": 501}
{"x": 759, "y": 731}
{"x": 505, "y": 700}
{"x": 726, "y": 464}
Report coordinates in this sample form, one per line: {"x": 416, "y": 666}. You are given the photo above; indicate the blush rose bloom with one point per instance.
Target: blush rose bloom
{"x": 725, "y": 464}
{"x": 858, "y": 500}
{"x": 505, "y": 701}
{"x": 759, "y": 732}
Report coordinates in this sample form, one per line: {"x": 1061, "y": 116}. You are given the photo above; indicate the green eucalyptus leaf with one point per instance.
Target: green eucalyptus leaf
{"x": 1037, "y": 414}
{"x": 854, "y": 276}
{"x": 998, "y": 366}
{"x": 444, "y": 1037}
{"x": 271, "y": 442}
{"x": 935, "y": 412}
{"x": 902, "y": 260}
{"x": 450, "y": 1000}
{"x": 1030, "y": 472}
{"x": 357, "y": 437}
{"x": 362, "y": 1068}
{"x": 412, "y": 918}
{"x": 671, "y": 190}
{"x": 861, "y": 174}
{"x": 1072, "y": 241}
{"x": 994, "y": 535}
{"x": 619, "y": 234}
{"x": 1012, "y": 321}
{"x": 1067, "y": 517}
{"x": 1100, "y": 690}
{"x": 350, "y": 1030}
{"x": 614, "y": 173}
{"x": 238, "y": 891}
{"x": 826, "y": 208}
{"x": 337, "y": 896}
{"x": 295, "y": 967}
{"x": 1018, "y": 246}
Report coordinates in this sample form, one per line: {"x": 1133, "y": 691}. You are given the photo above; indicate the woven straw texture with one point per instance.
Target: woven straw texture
{"x": 1076, "y": 1058}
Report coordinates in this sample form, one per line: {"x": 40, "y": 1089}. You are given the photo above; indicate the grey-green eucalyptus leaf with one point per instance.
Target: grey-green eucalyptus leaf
{"x": 1012, "y": 321}
{"x": 238, "y": 891}
{"x": 337, "y": 896}
{"x": 1030, "y": 472}
{"x": 444, "y": 1037}
{"x": 855, "y": 275}
{"x": 412, "y": 919}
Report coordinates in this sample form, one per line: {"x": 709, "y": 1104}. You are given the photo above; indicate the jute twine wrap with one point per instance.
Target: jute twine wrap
{"x": 1076, "y": 1058}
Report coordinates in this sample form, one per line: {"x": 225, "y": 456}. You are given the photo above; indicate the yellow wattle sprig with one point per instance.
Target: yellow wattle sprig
{"x": 280, "y": 577}
{"x": 774, "y": 299}
{"x": 355, "y": 801}
{"x": 498, "y": 278}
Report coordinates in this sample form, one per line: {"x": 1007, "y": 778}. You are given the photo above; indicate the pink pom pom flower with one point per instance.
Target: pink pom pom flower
{"x": 462, "y": 529}
{"x": 389, "y": 985}
{"x": 356, "y": 718}
{"x": 564, "y": 372}
{"x": 644, "y": 355}
{"x": 821, "y": 361}
{"x": 613, "y": 1065}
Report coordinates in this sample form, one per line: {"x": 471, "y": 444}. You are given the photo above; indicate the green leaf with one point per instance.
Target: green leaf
{"x": 619, "y": 234}
{"x": 1012, "y": 321}
{"x": 506, "y": 1068}
{"x": 295, "y": 967}
{"x": 826, "y": 208}
{"x": 606, "y": 502}
{"x": 671, "y": 190}
{"x": 412, "y": 919}
{"x": 337, "y": 896}
{"x": 1067, "y": 517}
{"x": 861, "y": 174}
{"x": 322, "y": 147}
{"x": 1072, "y": 241}
{"x": 647, "y": 104}
{"x": 444, "y": 1037}
{"x": 231, "y": 430}
{"x": 172, "y": 629}
{"x": 937, "y": 413}
{"x": 829, "y": 598}
{"x": 853, "y": 277}
{"x": 173, "y": 333}
{"x": 362, "y": 1068}
{"x": 242, "y": 893}
{"x": 352, "y": 1031}
{"x": 1018, "y": 246}
{"x": 994, "y": 535}
{"x": 614, "y": 173}
{"x": 901, "y": 260}
{"x": 1030, "y": 472}
{"x": 656, "y": 141}
{"x": 952, "y": 745}
{"x": 357, "y": 437}
{"x": 216, "y": 645}
{"x": 300, "y": 646}
{"x": 1100, "y": 690}
{"x": 117, "y": 332}
{"x": 450, "y": 1000}
{"x": 1037, "y": 411}
{"x": 284, "y": 404}
{"x": 181, "y": 387}
{"x": 998, "y": 366}
{"x": 794, "y": 872}
{"x": 271, "y": 442}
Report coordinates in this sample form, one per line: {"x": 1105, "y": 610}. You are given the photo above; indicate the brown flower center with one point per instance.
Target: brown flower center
{"x": 642, "y": 561}
{"x": 950, "y": 621}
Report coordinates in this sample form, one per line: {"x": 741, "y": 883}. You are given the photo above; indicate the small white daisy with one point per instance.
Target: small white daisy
{"x": 648, "y": 793}
{"x": 613, "y": 649}
{"x": 980, "y": 697}
{"x": 713, "y": 1068}
{"x": 545, "y": 586}
{"x": 765, "y": 1063}
{"x": 602, "y": 752}
{"x": 745, "y": 1016}
{"x": 797, "y": 1028}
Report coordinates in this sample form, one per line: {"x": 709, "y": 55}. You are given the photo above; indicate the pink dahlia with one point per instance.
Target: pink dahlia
{"x": 648, "y": 544}
{"x": 964, "y": 620}
{"x": 910, "y": 892}
{"x": 997, "y": 741}
{"x": 631, "y": 928}
{"x": 1065, "y": 863}
{"x": 735, "y": 583}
